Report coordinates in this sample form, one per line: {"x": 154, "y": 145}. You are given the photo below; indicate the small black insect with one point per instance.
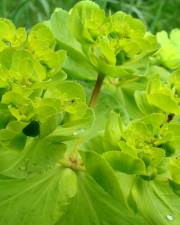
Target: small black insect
{"x": 72, "y": 101}
{"x": 32, "y": 129}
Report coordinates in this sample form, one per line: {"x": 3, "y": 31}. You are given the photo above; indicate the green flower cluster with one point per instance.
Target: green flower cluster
{"x": 115, "y": 161}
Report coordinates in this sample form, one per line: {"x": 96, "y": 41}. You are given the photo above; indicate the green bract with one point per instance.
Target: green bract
{"x": 32, "y": 84}
{"x": 9, "y": 35}
{"x": 163, "y": 95}
{"x": 168, "y": 54}
{"x": 142, "y": 146}
{"x": 77, "y": 153}
{"x": 142, "y": 154}
{"x": 115, "y": 45}
{"x": 110, "y": 41}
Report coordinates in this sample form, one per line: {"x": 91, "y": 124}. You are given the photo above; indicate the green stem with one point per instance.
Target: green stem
{"x": 73, "y": 156}
{"x": 75, "y": 151}
{"x": 96, "y": 91}
{"x": 72, "y": 160}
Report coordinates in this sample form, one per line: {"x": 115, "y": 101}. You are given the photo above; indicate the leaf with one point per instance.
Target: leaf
{"x": 113, "y": 131}
{"x": 142, "y": 103}
{"x": 41, "y": 199}
{"x": 93, "y": 205}
{"x": 7, "y": 30}
{"x": 58, "y": 195}
{"x": 168, "y": 54}
{"x": 5, "y": 116}
{"x": 164, "y": 102}
{"x": 108, "y": 100}
{"x": 86, "y": 18}
{"x": 12, "y": 137}
{"x": 126, "y": 96}
{"x": 40, "y": 38}
{"x": 102, "y": 173}
{"x": 20, "y": 38}
{"x": 76, "y": 63}
{"x": 73, "y": 128}
{"x": 124, "y": 162}
{"x": 154, "y": 121}
{"x": 59, "y": 25}
{"x": 156, "y": 202}
{"x": 36, "y": 156}
{"x": 161, "y": 96}
{"x": 49, "y": 118}
{"x": 95, "y": 143}
{"x": 175, "y": 187}
{"x": 175, "y": 170}
{"x": 10, "y": 36}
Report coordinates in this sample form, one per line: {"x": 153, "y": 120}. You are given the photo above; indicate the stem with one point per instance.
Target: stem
{"x": 75, "y": 151}
{"x": 96, "y": 91}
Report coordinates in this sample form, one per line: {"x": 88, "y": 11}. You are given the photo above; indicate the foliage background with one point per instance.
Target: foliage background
{"x": 157, "y": 14}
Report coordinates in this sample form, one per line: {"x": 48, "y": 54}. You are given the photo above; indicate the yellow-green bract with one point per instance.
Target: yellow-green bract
{"x": 114, "y": 45}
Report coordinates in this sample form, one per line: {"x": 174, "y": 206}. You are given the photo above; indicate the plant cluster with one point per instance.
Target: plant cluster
{"x": 89, "y": 121}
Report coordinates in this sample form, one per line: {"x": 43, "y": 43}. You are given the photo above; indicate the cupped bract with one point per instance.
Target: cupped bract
{"x": 168, "y": 54}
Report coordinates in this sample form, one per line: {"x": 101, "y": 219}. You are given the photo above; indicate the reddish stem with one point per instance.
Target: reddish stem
{"x": 96, "y": 91}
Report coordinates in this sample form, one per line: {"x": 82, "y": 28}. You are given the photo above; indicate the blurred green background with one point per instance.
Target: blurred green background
{"x": 157, "y": 14}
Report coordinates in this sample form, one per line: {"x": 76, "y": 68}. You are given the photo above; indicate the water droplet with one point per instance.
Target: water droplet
{"x": 169, "y": 217}
{"x": 79, "y": 131}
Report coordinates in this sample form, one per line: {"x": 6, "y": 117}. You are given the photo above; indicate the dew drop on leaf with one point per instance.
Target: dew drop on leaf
{"x": 79, "y": 131}
{"x": 169, "y": 217}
